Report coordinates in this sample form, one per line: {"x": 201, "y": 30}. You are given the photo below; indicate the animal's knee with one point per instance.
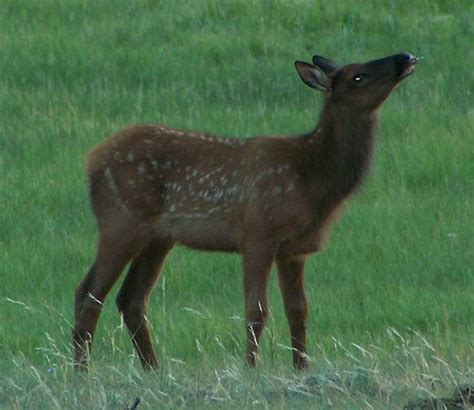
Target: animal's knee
{"x": 80, "y": 295}
{"x": 257, "y": 314}
{"x": 297, "y": 311}
{"x": 121, "y": 302}
{"x": 129, "y": 308}
{"x": 83, "y": 289}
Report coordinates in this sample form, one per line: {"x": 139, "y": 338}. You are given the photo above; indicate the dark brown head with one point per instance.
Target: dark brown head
{"x": 357, "y": 86}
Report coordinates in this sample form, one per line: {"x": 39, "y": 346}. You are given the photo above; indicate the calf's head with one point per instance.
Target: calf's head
{"x": 357, "y": 86}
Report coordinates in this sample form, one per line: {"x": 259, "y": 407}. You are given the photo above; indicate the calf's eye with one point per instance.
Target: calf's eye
{"x": 357, "y": 78}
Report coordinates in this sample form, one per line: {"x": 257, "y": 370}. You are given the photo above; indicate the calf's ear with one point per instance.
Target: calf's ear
{"x": 325, "y": 64}
{"x": 313, "y": 76}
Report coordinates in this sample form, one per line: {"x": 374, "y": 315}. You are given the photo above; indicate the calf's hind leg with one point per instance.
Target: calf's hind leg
{"x": 116, "y": 248}
{"x": 132, "y": 300}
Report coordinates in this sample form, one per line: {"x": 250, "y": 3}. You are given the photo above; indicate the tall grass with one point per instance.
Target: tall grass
{"x": 392, "y": 295}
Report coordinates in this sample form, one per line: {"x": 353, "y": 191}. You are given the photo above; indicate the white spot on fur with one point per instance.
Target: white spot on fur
{"x": 111, "y": 181}
{"x": 234, "y": 190}
{"x": 114, "y": 188}
{"x": 130, "y": 157}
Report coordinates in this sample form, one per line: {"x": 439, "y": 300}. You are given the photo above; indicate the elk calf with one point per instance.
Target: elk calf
{"x": 269, "y": 198}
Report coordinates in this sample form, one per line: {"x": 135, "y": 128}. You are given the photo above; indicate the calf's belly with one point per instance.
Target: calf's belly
{"x": 203, "y": 233}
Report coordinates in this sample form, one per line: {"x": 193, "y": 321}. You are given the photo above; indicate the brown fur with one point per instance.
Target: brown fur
{"x": 269, "y": 198}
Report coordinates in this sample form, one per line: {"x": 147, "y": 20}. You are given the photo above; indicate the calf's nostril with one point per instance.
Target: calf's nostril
{"x": 406, "y": 59}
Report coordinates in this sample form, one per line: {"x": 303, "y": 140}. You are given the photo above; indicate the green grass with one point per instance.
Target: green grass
{"x": 391, "y": 296}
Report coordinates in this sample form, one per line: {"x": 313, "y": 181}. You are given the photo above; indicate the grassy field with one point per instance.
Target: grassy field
{"x": 391, "y": 296}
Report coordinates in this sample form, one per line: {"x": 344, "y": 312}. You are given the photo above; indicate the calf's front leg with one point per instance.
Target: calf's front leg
{"x": 291, "y": 280}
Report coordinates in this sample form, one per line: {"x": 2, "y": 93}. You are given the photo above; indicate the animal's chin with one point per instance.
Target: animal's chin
{"x": 407, "y": 71}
